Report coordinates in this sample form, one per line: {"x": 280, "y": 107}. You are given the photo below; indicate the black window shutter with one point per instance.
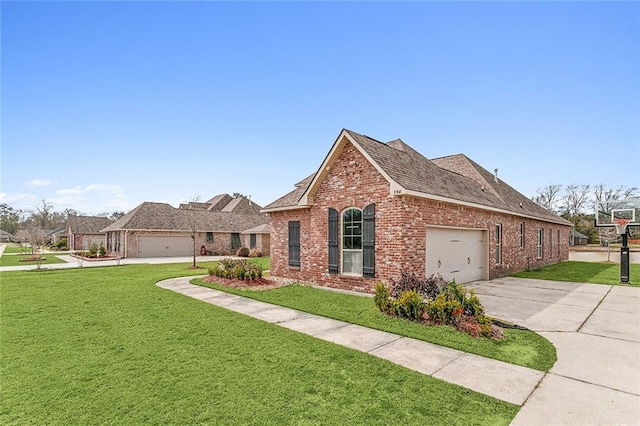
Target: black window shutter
{"x": 333, "y": 241}
{"x": 294, "y": 243}
{"x": 369, "y": 241}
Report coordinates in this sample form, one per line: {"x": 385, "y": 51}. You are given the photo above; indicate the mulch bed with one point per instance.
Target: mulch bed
{"x": 257, "y": 284}
{"x": 33, "y": 259}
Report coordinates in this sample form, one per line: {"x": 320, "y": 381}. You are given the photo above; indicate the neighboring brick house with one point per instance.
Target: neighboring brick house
{"x": 258, "y": 237}
{"x": 375, "y": 209}
{"x": 82, "y": 231}
{"x": 159, "y": 229}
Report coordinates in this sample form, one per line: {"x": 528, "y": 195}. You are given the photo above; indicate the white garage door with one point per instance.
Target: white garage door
{"x": 456, "y": 253}
{"x": 156, "y": 246}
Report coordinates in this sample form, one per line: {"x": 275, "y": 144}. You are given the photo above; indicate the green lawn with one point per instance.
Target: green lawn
{"x": 520, "y": 347}
{"x": 14, "y": 260}
{"x": 584, "y": 272}
{"x": 104, "y": 345}
{"x": 12, "y": 248}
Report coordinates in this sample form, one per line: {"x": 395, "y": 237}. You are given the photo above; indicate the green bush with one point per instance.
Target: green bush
{"x": 93, "y": 250}
{"x": 240, "y": 269}
{"x": 453, "y": 305}
{"x": 410, "y": 305}
{"x": 382, "y": 299}
{"x": 102, "y": 250}
{"x": 441, "y": 309}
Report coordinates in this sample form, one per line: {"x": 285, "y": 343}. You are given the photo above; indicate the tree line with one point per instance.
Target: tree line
{"x": 42, "y": 216}
{"x": 576, "y": 203}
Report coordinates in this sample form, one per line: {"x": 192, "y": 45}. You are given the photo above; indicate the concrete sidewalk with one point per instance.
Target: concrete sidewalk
{"x": 501, "y": 380}
{"x": 74, "y": 262}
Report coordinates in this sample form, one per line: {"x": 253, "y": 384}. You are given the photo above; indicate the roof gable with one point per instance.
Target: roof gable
{"x": 87, "y": 224}
{"x": 454, "y": 179}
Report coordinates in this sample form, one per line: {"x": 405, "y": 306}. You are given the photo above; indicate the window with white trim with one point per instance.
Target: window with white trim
{"x": 498, "y": 243}
{"x": 352, "y": 241}
{"x": 522, "y": 235}
{"x": 539, "y": 243}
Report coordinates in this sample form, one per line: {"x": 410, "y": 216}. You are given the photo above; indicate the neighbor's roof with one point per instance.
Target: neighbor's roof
{"x": 164, "y": 217}
{"x": 291, "y": 199}
{"x": 87, "y": 224}
{"x": 59, "y": 230}
{"x": 260, "y": 229}
{"x": 579, "y": 234}
{"x": 455, "y": 179}
{"x": 5, "y": 234}
{"x": 242, "y": 204}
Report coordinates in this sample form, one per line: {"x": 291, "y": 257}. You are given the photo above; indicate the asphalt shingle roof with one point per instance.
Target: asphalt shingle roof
{"x": 87, "y": 224}
{"x": 455, "y": 178}
{"x": 162, "y": 216}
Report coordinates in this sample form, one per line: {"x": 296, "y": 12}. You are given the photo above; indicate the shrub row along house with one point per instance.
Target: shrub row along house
{"x": 220, "y": 226}
{"x": 374, "y": 209}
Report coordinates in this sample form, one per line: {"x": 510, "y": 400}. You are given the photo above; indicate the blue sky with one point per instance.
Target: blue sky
{"x": 109, "y": 104}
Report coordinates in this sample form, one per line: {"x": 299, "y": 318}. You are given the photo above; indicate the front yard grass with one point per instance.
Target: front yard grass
{"x": 14, "y": 260}
{"x": 584, "y": 272}
{"x": 519, "y": 347}
{"x": 104, "y": 345}
{"x": 13, "y": 248}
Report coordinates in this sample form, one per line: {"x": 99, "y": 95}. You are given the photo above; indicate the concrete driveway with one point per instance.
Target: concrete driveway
{"x": 596, "y": 331}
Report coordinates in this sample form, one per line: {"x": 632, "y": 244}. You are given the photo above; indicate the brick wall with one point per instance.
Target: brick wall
{"x": 400, "y": 229}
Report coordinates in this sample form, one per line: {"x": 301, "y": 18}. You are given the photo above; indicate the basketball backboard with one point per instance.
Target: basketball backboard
{"x": 607, "y": 212}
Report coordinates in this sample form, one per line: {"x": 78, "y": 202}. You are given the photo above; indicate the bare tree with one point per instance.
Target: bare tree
{"x": 601, "y": 193}
{"x": 548, "y": 197}
{"x": 607, "y": 236}
{"x": 192, "y": 219}
{"x": 575, "y": 199}
{"x": 22, "y": 237}
{"x": 41, "y": 214}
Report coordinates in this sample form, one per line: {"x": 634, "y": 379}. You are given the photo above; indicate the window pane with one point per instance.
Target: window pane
{"x": 347, "y": 243}
{"x": 357, "y": 243}
{"x": 357, "y": 215}
{"x": 352, "y": 263}
{"x": 347, "y": 216}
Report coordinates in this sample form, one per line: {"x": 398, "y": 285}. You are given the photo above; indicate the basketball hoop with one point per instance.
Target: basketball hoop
{"x": 621, "y": 226}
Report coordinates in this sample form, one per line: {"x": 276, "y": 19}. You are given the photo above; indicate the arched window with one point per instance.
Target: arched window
{"x": 352, "y": 241}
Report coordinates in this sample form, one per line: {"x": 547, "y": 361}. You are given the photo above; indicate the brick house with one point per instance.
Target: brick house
{"x": 159, "y": 229}
{"x": 82, "y": 231}
{"x": 373, "y": 209}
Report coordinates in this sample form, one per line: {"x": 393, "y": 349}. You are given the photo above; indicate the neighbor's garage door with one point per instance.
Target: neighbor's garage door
{"x": 156, "y": 246}
{"x": 457, "y": 253}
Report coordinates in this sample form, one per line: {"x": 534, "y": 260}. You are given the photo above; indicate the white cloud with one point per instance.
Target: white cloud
{"x": 94, "y": 198}
{"x": 38, "y": 183}
{"x": 18, "y": 201}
